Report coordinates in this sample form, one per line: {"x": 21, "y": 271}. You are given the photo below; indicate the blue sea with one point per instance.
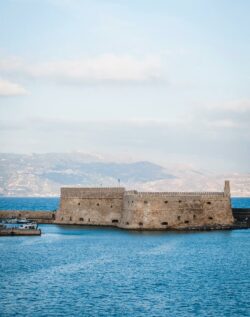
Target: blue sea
{"x": 89, "y": 271}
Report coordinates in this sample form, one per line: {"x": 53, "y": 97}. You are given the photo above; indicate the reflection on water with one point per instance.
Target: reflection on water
{"x": 77, "y": 271}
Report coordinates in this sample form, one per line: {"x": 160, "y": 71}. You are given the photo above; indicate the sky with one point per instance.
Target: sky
{"x": 166, "y": 81}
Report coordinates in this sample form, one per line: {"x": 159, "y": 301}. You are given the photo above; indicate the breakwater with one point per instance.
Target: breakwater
{"x": 242, "y": 215}
{"x": 41, "y": 217}
{"x": 20, "y": 232}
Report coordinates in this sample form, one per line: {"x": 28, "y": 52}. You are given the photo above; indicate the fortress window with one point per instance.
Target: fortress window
{"x": 70, "y": 218}
{"x": 62, "y": 218}
{"x": 97, "y": 204}
{"x": 79, "y": 204}
{"x": 132, "y": 201}
{"x": 179, "y": 217}
{"x": 186, "y": 221}
{"x": 194, "y": 216}
{"x": 140, "y": 223}
{"x": 165, "y": 201}
{"x": 179, "y": 201}
{"x": 164, "y": 223}
{"x": 115, "y": 221}
{"x": 89, "y": 219}
{"x": 210, "y": 218}
{"x": 81, "y": 219}
{"x": 145, "y": 202}
{"x": 111, "y": 206}
{"x": 127, "y": 223}
{"x": 209, "y": 202}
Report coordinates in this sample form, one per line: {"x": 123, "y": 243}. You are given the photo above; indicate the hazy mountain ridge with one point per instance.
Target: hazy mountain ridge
{"x": 44, "y": 174}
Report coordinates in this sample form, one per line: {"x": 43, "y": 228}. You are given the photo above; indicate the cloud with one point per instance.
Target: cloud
{"x": 104, "y": 68}
{"x": 232, "y": 114}
{"x": 8, "y": 88}
{"x": 241, "y": 105}
{"x": 224, "y": 123}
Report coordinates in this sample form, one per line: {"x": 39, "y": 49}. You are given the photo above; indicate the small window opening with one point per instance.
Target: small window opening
{"x": 179, "y": 201}
{"x": 89, "y": 220}
{"x": 70, "y": 218}
{"x": 210, "y": 218}
{"x": 179, "y": 217}
{"x": 81, "y": 219}
{"x": 140, "y": 223}
{"x": 97, "y": 204}
{"x": 79, "y": 204}
{"x": 165, "y": 201}
{"x": 62, "y": 218}
{"x": 127, "y": 223}
{"x": 145, "y": 202}
{"x": 111, "y": 206}
{"x": 194, "y": 216}
{"x": 164, "y": 223}
{"x": 115, "y": 221}
{"x": 209, "y": 202}
{"x": 186, "y": 221}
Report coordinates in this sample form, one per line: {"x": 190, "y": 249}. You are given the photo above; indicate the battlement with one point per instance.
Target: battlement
{"x": 92, "y": 192}
{"x": 174, "y": 194}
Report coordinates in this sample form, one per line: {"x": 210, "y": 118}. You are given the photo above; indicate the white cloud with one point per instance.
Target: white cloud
{"x": 104, "y": 68}
{"x": 225, "y": 114}
{"x": 224, "y": 123}
{"x": 241, "y": 105}
{"x": 8, "y": 88}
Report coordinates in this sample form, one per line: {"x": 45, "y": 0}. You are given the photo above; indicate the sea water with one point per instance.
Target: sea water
{"x": 88, "y": 271}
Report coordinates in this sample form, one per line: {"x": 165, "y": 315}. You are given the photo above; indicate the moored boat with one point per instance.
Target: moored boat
{"x": 31, "y": 226}
{"x": 23, "y": 220}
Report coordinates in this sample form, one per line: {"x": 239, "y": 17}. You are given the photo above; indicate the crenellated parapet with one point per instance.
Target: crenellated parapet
{"x": 174, "y": 194}
{"x": 92, "y": 192}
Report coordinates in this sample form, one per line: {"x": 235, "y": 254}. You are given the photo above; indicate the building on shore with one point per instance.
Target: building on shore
{"x": 144, "y": 210}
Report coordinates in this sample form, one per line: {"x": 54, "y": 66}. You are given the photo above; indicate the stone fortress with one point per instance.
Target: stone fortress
{"x": 145, "y": 210}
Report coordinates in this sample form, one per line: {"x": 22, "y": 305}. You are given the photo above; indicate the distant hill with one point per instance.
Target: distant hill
{"x": 44, "y": 174}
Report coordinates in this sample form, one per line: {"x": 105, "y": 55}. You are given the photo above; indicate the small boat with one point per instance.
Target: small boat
{"x": 11, "y": 220}
{"x": 31, "y": 225}
{"x": 23, "y": 220}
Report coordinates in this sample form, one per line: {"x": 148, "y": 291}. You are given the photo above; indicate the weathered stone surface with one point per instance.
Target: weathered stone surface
{"x": 92, "y": 206}
{"x": 141, "y": 210}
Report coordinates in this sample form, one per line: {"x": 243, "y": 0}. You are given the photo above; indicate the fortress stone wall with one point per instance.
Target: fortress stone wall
{"x": 144, "y": 210}
{"x": 91, "y": 206}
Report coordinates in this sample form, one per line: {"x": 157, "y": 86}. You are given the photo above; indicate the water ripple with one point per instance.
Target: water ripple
{"x": 107, "y": 272}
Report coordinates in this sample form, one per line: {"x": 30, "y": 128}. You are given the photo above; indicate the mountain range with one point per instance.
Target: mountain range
{"x": 44, "y": 174}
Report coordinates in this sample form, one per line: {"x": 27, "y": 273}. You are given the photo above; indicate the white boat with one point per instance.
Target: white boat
{"x": 11, "y": 220}
{"x": 24, "y": 220}
{"x": 32, "y": 225}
